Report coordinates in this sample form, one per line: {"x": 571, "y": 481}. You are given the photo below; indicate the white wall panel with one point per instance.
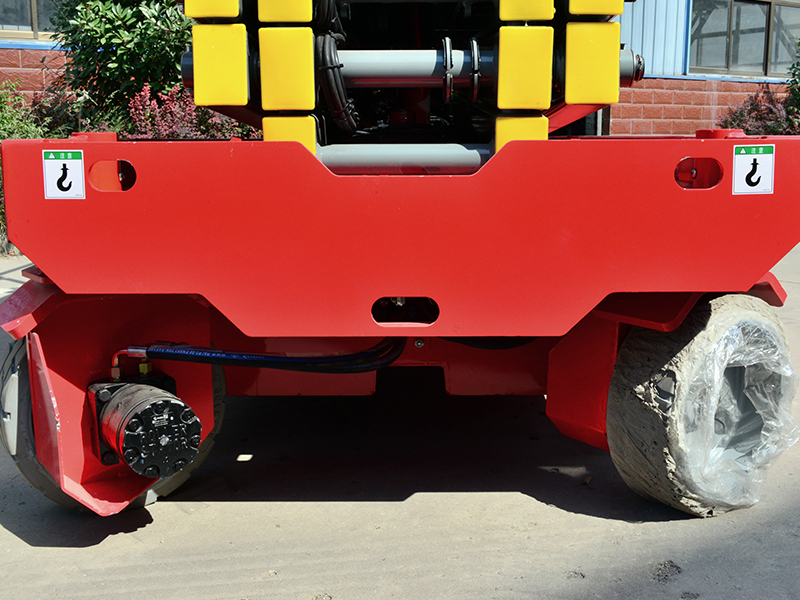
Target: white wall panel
{"x": 657, "y": 29}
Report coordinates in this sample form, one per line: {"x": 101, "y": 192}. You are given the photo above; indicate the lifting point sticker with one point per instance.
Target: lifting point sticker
{"x": 63, "y": 174}
{"x": 753, "y": 169}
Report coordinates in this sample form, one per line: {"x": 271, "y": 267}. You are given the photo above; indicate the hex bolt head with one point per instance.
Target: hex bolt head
{"x": 131, "y": 455}
{"x": 419, "y": 343}
{"x": 152, "y": 472}
{"x": 109, "y": 458}
{"x": 179, "y": 465}
{"x": 187, "y": 415}
{"x": 194, "y": 441}
{"x": 103, "y": 395}
{"x": 133, "y": 425}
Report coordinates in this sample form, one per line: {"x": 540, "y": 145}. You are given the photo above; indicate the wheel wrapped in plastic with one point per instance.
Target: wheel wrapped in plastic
{"x": 696, "y": 416}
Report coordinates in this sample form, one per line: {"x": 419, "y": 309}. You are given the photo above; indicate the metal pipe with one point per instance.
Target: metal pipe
{"x": 412, "y": 68}
{"x": 346, "y": 2}
{"x": 425, "y": 68}
{"x": 404, "y": 159}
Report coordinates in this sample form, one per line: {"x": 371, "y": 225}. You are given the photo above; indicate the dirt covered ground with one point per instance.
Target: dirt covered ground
{"x": 409, "y": 494}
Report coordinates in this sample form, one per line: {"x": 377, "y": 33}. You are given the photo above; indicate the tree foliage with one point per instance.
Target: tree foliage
{"x": 116, "y": 47}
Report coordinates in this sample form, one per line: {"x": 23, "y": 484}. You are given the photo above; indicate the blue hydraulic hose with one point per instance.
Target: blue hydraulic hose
{"x": 381, "y": 355}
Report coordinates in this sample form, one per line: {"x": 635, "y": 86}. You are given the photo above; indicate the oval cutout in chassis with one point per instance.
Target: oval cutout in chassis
{"x": 112, "y": 175}
{"x": 698, "y": 173}
{"x": 398, "y": 310}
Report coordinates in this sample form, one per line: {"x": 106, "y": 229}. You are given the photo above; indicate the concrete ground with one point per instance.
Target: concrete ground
{"x": 411, "y": 495}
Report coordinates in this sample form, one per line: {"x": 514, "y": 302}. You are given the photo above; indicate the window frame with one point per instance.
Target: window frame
{"x": 34, "y": 34}
{"x": 767, "y": 72}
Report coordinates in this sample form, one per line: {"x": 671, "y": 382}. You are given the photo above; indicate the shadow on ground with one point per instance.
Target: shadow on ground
{"x": 410, "y": 437}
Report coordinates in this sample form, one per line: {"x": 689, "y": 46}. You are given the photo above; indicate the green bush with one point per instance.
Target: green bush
{"x": 16, "y": 118}
{"x": 116, "y": 47}
{"x": 16, "y": 121}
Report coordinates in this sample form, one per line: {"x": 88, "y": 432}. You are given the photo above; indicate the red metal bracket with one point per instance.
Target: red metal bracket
{"x": 580, "y": 371}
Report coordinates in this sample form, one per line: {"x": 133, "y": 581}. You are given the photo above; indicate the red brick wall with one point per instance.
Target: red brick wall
{"x": 677, "y": 106}
{"x": 26, "y": 66}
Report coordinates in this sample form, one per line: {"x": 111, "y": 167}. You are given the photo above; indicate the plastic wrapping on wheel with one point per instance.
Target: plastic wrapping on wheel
{"x": 741, "y": 421}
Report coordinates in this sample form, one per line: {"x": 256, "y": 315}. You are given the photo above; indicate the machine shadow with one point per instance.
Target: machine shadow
{"x": 409, "y": 437}
{"x": 41, "y": 523}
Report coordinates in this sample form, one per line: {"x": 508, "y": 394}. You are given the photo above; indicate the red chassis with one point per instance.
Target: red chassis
{"x": 256, "y": 246}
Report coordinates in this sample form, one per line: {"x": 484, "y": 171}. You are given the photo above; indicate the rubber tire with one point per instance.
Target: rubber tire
{"x": 14, "y": 363}
{"x": 650, "y": 403}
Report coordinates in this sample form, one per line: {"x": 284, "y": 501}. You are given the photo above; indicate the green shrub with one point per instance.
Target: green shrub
{"x": 16, "y": 121}
{"x": 116, "y": 47}
{"x": 16, "y": 118}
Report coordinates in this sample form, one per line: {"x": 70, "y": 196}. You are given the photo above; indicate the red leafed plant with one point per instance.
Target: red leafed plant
{"x": 174, "y": 116}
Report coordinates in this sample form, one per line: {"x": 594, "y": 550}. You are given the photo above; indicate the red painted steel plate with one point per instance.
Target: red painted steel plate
{"x": 281, "y": 246}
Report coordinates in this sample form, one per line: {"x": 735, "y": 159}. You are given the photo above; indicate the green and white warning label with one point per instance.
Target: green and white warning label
{"x": 753, "y": 169}
{"x": 63, "y": 174}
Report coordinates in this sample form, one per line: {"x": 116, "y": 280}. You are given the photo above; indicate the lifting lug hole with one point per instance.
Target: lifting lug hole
{"x": 698, "y": 173}
{"x": 401, "y": 309}
{"x": 112, "y": 175}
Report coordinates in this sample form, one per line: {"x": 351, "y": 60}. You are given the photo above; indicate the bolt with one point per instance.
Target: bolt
{"x": 103, "y": 395}
{"x": 109, "y": 458}
{"x": 152, "y": 472}
{"x": 131, "y": 455}
{"x": 187, "y": 416}
{"x": 419, "y": 343}
{"x": 179, "y": 465}
{"x": 194, "y": 441}
{"x": 133, "y": 425}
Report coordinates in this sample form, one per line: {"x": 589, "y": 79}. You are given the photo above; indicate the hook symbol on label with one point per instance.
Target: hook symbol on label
{"x": 749, "y": 179}
{"x": 63, "y": 178}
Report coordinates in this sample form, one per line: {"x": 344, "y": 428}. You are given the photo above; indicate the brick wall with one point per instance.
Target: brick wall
{"x": 677, "y": 106}
{"x": 26, "y": 66}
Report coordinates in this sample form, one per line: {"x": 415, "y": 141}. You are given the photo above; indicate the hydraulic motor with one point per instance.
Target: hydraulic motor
{"x": 151, "y": 430}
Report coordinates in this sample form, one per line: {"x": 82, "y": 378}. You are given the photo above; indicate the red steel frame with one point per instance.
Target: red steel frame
{"x": 257, "y": 246}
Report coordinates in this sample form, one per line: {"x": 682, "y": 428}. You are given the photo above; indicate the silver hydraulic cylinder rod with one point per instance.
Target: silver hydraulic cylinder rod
{"x": 346, "y": 2}
{"x": 425, "y": 68}
{"x": 412, "y": 68}
{"x": 404, "y": 159}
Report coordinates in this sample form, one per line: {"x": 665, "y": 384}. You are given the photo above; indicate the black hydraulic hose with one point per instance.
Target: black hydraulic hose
{"x": 332, "y": 81}
{"x": 376, "y": 357}
{"x": 327, "y": 17}
{"x": 329, "y": 33}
